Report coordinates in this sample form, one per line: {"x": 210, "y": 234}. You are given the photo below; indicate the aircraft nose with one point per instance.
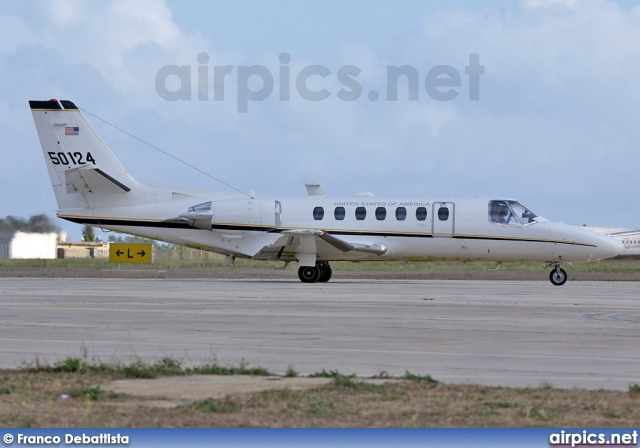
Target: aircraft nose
{"x": 608, "y": 247}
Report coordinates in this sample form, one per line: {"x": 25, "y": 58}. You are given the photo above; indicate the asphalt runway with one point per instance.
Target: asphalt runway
{"x": 509, "y": 333}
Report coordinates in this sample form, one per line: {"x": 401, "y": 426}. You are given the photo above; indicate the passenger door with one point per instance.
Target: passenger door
{"x": 443, "y": 219}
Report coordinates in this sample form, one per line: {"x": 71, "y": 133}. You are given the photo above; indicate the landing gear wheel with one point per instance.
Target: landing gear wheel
{"x": 325, "y": 273}
{"x": 309, "y": 274}
{"x": 558, "y": 276}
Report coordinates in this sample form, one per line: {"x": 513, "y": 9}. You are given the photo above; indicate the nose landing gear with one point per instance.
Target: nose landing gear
{"x": 558, "y": 276}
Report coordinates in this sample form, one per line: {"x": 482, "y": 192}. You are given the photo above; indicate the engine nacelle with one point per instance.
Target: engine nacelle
{"x": 235, "y": 214}
{"x": 246, "y": 213}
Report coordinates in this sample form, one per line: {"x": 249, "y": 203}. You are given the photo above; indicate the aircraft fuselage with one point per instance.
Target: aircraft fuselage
{"x": 412, "y": 229}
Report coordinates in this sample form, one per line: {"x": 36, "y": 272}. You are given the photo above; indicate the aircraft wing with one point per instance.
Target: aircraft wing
{"x": 300, "y": 244}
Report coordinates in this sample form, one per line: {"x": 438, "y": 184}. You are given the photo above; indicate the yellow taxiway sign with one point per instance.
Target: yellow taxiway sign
{"x": 130, "y": 253}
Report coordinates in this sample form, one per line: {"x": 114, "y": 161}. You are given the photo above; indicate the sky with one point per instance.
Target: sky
{"x": 536, "y": 100}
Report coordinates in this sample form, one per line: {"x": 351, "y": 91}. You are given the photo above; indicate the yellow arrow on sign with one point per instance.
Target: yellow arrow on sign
{"x": 130, "y": 253}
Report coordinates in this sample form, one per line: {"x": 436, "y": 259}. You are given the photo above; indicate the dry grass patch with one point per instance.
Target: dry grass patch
{"x": 55, "y": 397}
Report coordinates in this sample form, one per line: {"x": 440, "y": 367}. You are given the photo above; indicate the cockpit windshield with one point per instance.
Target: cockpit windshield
{"x": 511, "y": 213}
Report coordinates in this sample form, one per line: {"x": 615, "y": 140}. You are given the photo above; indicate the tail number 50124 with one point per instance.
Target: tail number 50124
{"x": 71, "y": 158}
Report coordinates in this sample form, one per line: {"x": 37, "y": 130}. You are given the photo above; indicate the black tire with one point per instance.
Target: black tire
{"x": 325, "y": 273}
{"x": 309, "y": 274}
{"x": 558, "y": 277}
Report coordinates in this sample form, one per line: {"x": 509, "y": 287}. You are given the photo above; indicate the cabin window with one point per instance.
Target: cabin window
{"x": 401, "y": 213}
{"x": 421, "y": 213}
{"x": 339, "y": 213}
{"x": 511, "y": 213}
{"x": 443, "y": 213}
{"x": 318, "y": 213}
{"x": 361, "y": 213}
{"x": 381, "y": 213}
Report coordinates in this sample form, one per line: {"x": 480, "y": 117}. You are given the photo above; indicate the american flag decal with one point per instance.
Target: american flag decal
{"x": 70, "y": 130}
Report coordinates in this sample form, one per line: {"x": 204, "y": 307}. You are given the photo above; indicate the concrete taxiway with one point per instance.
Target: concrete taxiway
{"x": 510, "y": 333}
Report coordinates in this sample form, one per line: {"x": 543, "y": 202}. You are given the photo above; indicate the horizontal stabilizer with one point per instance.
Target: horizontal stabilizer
{"x": 92, "y": 180}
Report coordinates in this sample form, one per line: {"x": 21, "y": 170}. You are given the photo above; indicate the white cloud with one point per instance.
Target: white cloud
{"x": 533, "y": 4}
{"x": 67, "y": 13}
{"x": 126, "y": 42}
{"x": 433, "y": 117}
{"x": 13, "y": 33}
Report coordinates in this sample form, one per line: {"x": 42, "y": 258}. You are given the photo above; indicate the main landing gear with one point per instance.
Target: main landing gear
{"x": 558, "y": 276}
{"x": 321, "y": 272}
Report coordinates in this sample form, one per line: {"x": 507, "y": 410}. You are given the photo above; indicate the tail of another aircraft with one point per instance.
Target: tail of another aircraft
{"x": 83, "y": 171}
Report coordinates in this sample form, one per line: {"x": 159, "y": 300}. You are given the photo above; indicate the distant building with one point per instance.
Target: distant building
{"x": 28, "y": 245}
{"x": 5, "y": 244}
{"x": 83, "y": 250}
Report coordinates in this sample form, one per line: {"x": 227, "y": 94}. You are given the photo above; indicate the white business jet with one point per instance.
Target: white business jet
{"x": 92, "y": 187}
{"x": 628, "y": 236}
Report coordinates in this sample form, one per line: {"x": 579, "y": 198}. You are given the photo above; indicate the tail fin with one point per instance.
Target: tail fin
{"x": 84, "y": 173}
